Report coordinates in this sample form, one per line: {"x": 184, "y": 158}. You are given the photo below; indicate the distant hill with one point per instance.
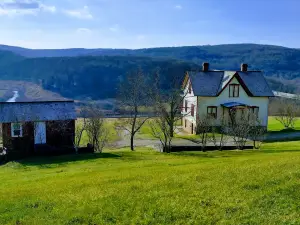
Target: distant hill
{"x": 95, "y": 73}
{"x": 94, "y": 77}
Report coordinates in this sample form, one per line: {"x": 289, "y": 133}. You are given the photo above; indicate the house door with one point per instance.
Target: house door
{"x": 192, "y": 131}
{"x": 39, "y": 133}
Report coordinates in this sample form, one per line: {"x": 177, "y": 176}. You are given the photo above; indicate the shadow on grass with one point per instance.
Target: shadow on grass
{"x": 286, "y": 139}
{"x": 46, "y": 160}
{"x": 278, "y": 151}
{"x": 288, "y": 130}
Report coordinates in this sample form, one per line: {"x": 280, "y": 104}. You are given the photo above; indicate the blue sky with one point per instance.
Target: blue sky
{"x": 148, "y": 23}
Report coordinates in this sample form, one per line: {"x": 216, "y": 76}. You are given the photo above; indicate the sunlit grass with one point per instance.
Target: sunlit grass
{"x": 147, "y": 187}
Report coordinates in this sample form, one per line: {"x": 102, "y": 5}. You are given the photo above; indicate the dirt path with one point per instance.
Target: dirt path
{"x": 147, "y": 142}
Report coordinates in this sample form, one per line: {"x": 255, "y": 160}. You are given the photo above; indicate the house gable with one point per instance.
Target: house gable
{"x": 237, "y": 80}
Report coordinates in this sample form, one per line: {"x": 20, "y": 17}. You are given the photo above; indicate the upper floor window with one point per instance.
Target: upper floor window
{"x": 212, "y": 111}
{"x": 234, "y": 90}
{"x": 185, "y": 105}
{"x": 190, "y": 88}
{"x": 16, "y": 130}
{"x": 192, "y": 110}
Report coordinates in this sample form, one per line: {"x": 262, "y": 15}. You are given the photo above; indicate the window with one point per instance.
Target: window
{"x": 192, "y": 110}
{"x": 185, "y": 123}
{"x": 16, "y": 130}
{"x": 190, "y": 88}
{"x": 212, "y": 111}
{"x": 255, "y": 110}
{"x": 185, "y": 105}
{"x": 234, "y": 90}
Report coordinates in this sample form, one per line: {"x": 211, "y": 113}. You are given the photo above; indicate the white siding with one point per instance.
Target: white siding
{"x": 261, "y": 102}
{"x": 191, "y": 99}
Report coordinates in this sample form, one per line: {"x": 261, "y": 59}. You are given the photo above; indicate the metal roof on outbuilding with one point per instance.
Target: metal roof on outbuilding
{"x": 36, "y": 111}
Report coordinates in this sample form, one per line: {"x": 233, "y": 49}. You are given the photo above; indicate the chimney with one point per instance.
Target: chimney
{"x": 205, "y": 66}
{"x": 244, "y": 67}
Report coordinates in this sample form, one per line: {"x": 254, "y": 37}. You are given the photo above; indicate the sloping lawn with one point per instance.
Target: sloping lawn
{"x": 146, "y": 187}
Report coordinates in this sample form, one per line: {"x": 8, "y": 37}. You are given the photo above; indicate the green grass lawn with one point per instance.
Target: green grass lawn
{"x": 146, "y": 187}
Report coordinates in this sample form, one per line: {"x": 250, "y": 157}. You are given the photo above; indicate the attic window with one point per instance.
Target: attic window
{"x": 16, "y": 130}
{"x": 190, "y": 88}
{"x": 234, "y": 90}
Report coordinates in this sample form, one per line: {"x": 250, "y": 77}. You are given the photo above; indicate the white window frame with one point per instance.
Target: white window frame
{"x": 12, "y": 130}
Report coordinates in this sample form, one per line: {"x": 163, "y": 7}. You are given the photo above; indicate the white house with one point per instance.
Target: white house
{"x": 214, "y": 93}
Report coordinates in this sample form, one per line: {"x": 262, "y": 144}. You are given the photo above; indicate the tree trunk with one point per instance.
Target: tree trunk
{"x": 133, "y": 131}
{"x": 171, "y": 129}
{"x": 131, "y": 142}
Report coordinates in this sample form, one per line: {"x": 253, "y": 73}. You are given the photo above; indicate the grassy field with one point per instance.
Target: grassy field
{"x": 146, "y": 187}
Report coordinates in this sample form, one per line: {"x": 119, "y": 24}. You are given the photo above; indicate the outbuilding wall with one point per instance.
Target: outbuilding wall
{"x": 59, "y": 135}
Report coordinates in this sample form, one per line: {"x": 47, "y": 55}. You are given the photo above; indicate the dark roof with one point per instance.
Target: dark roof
{"x": 211, "y": 83}
{"x": 36, "y": 111}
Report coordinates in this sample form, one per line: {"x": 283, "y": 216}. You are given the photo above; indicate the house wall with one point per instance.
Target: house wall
{"x": 261, "y": 102}
{"x": 187, "y": 114}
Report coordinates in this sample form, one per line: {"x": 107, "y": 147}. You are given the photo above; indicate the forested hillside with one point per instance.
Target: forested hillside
{"x": 95, "y": 73}
{"x": 87, "y": 76}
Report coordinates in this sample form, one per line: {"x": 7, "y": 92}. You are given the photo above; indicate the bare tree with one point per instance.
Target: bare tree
{"x": 245, "y": 126}
{"x": 168, "y": 101}
{"x": 160, "y": 129}
{"x": 95, "y": 128}
{"x": 79, "y": 129}
{"x": 203, "y": 128}
{"x": 219, "y": 133}
{"x": 287, "y": 112}
{"x": 257, "y": 132}
{"x": 133, "y": 96}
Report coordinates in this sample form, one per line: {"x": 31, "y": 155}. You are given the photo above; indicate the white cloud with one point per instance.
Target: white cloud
{"x": 47, "y": 8}
{"x": 84, "y": 30}
{"x": 13, "y": 8}
{"x": 140, "y": 37}
{"x": 115, "y": 28}
{"x": 178, "y": 7}
{"x": 80, "y": 13}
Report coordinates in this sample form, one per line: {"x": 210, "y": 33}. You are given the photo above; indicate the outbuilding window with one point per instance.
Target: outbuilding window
{"x": 16, "y": 130}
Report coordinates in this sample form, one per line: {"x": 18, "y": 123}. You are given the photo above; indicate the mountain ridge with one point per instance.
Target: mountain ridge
{"x": 62, "y": 70}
